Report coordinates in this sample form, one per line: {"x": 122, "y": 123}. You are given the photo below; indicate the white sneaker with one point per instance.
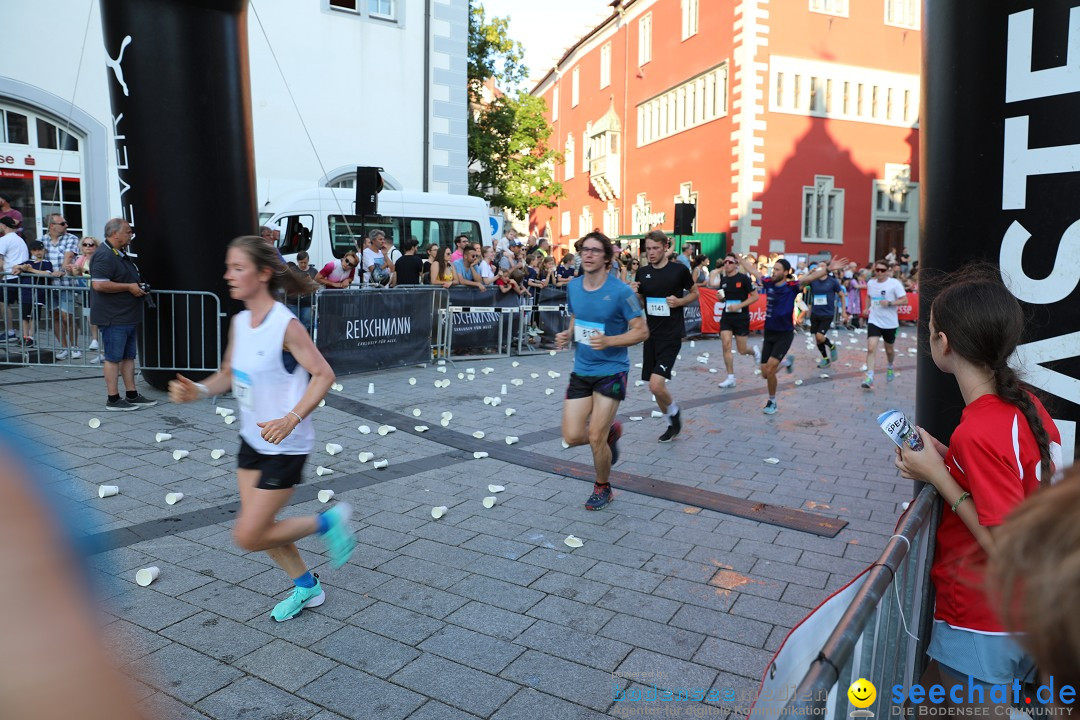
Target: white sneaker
{"x": 96, "y": 360}
{"x": 729, "y": 383}
{"x": 61, "y": 355}
{"x": 93, "y": 345}
{"x": 757, "y": 354}
{"x": 76, "y": 353}
{"x": 863, "y": 368}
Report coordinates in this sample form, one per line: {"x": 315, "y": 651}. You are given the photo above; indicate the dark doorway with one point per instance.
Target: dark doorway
{"x": 889, "y": 237}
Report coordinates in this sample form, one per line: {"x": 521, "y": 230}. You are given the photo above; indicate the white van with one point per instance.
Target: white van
{"x": 323, "y": 221}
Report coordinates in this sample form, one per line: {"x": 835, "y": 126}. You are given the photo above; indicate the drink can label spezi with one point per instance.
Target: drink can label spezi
{"x": 896, "y": 426}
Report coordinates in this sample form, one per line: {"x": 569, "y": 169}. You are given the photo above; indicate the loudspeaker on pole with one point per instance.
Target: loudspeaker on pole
{"x": 684, "y": 218}
{"x": 368, "y": 185}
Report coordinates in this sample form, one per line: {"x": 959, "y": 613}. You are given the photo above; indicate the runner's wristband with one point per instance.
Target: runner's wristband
{"x": 959, "y": 500}
{"x": 204, "y": 392}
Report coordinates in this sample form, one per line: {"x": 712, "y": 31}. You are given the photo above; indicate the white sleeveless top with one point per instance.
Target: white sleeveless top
{"x": 263, "y": 388}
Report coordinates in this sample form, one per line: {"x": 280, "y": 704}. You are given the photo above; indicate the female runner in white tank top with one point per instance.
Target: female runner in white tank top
{"x": 278, "y": 378}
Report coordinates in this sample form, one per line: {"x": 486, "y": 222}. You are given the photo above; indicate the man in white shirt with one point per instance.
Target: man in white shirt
{"x": 13, "y": 251}
{"x": 379, "y": 258}
{"x": 884, "y": 294}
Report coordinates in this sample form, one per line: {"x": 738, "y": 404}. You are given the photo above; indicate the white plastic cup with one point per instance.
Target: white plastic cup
{"x": 320, "y": 471}
{"x": 333, "y": 448}
{"x": 365, "y": 457}
{"x": 173, "y": 498}
{"x": 326, "y": 496}
{"x": 230, "y": 419}
{"x": 371, "y": 388}
{"x": 438, "y": 512}
{"x": 223, "y": 411}
{"x": 510, "y": 439}
{"x": 503, "y": 390}
{"x": 217, "y": 454}
{"x": 105, "y": 491}
{"x": 489, "y": 502}
{"x": 94, "y": 423}
{"x": 147, "y": 575}
{"x": 162, "y": 437}
{"x": 380, "y": 464}
{"x": 180, "y": 454}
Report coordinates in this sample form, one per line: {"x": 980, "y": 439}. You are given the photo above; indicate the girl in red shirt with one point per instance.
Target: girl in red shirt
{"x": 1005, "y": 447}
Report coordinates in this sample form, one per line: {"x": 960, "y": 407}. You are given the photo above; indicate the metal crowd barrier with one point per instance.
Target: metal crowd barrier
{"x": 44, "y": 324}
{"x": 882, "y": 634}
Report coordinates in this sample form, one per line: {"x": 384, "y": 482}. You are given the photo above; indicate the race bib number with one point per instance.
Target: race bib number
{"x": 732, "y": 306}
{"x": 657, "y": 307}
{"x": 242, "y": 389}
{"x": 585, "y": 330}
{"x": 821, "y": 300}
{"x": 882, "y": 301}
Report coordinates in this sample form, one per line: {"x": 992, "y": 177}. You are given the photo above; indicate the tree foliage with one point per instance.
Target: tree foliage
{"x": 510, "y": 162}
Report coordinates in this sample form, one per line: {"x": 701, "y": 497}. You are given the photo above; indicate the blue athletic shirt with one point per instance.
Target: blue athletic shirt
{"x": 779, "y": 304}
{"x": 611, "y": 307}
{"x": 824, "y": 292}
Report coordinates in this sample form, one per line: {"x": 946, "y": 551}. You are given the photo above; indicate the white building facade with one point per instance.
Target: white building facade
{"x": 372, "y": 82}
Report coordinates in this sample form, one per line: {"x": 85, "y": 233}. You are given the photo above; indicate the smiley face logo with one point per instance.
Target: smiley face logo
{"x": 862, "y": 693}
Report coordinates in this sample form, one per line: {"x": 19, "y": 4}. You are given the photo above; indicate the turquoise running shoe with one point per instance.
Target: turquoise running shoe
{"x": 301, "y": 598}
{"x": 338, "y": 536}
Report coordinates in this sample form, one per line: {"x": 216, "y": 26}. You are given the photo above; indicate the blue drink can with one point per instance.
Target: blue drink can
{"x": 894, "y": 424}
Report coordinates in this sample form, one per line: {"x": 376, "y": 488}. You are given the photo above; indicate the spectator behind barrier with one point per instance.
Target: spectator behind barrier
{"x": 466, "y": 270}
{"x": 409, "y": 267}
{"x": 301, "y": 304}
{"x": 339, "y": 273}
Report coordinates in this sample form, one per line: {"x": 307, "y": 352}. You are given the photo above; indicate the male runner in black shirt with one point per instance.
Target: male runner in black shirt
{"x": 665, "y": 287}
{"x": 739, "y": 294}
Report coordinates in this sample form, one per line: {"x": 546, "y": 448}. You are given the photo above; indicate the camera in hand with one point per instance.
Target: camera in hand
{"x": 148, "y": 298}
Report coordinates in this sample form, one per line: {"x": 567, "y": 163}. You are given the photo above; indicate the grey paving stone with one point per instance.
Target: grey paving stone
{"x": 733, "y": 658}
{"x": 288, "y": 666}
{"x": 706, "y": 595}
{"x": 490, "y": 620}
{"x": 423, "y": 572}
{"x": 564, "y": 679}
{"x": 352, "y": 577}
{"x": 382, "y": 538}
{"x": 217, "y": 636}
{"x": 653, "y": 636}
{"x": 340, "y": 604}
{"x": 572, "y": 614}
{"x": 498, "y": 593}
{"x": 675, "y": 567}
{"x": 667, "y": 547}
{"x": 666, "y": 673}
{"x": 574, "y": 645}
{"x": 187, "y": 675}
{"x": 435, "y": 710}
{"x": 555, "y": 559}
{"x": 160, "y": 705}
{"x": 232, "y": 601}
{"x": 638, "y": 604}
{"x": 412, "y": 596}
{"x": 126, "y": 642}
{"x": 529, "y": 704}
{"x": 223, "y": 565}
{"x": 456, "y": 685}
{"x": 571, "y": 587}
{"x": 497, "y": 546}
{"x": 149, "y": 609}
{"x": 396, "y": 623}
{"x": 366, "y": 651}
{"x": 252, "y": 697}
{"x": 735, "y": 693}
{"x": 430, "y": 551}
{"x": 768, "y": 610}
{"x": 720, "y": 624}
{"x": 499, "y": 568}
{"x": 791, "y": 573}
{"x": 624, "y": 577}
{"x": 354, "y": 694}
{"x": 471, "y": 648}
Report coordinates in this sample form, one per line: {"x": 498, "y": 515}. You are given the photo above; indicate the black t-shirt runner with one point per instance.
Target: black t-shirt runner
{"x": 655, "y": 285}
{"x": 736, "y": 288}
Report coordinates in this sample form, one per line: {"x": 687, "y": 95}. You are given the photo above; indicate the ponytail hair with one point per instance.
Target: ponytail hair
{"x": 984, "y": 323}
{"x": 284, "y": 278}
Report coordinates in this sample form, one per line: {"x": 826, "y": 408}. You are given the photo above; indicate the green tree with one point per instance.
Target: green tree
{"x": 510, "y": 162}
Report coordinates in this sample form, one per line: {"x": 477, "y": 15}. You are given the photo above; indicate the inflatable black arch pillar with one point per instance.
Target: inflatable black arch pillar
{"x": 178, "y": 78}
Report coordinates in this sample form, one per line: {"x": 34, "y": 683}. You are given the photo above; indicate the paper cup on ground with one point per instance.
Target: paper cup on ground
{"x": 479, "y": 434}
{"x": 480, "y": 455}
{"x": 380, "y": 464}
{"x": 551, "y": 353}
{"x": 217, "y": 454}
{"x": 326, "y": 496}
{"x": 495, "y": 488}
{"x": 337, "y": 386}
{"x": 502, "y": 391}
{"x": 657, "y": 414}
{"x": 440, "y": 369}
{"x": 447, "y": 415}
{"x": 230, "y": 419}
{"x": 412, "y": 381}
{"x": 384, "y": 430}
{"x": 549, "y": 391}
{"x": 420, "y": 428}
{"x": 365, "y": 457}
{"x": 572, "y": 541}
{"x": 635, "y": 418}
{"x": 371, "y": 388}
{"x": 320, "y": 471}
{"x": 509, "y": 411}
{"x": 162, "y": 437}
{"x": 441, "y": 362}
{"x": 487, "y": 399}
{"x": 180, "y": 454}
{"x": 173, "y": 498}
{"x": 105, "y": 491}
{"x": 438, "y": 512}
{"x": 147, "y": 575}
{"x": 417, "y": 412}
{"x": 510, "y": 439}
{"x": 224, "y": 411}
{"x": 94, "y": 423}
{"x": 333, "y": 448}
{"x": 444, "y": 422}
{"x": 534, "y": 375}
{"x": 514, "y": 364}
{"x": 496, "y": 401}
{"x": 489, "y": 502}
{"x": 322, "y": 403}
{"x": 461, "y": 376}
{"x": 364, "y": 429}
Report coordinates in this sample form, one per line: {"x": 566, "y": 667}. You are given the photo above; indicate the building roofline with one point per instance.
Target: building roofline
{"x": 617, "y": 5}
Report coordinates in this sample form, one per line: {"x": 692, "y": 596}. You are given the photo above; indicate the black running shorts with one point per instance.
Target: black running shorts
{"x": 886, "y": 334}
{"x": 583, "y": 386}
{"x": 277, "y": 472}
{"x": 658, "y": 357}
{"x": 776, "y": 345}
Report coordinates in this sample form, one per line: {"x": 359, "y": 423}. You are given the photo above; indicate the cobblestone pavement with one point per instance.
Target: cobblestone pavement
{"x": 484, "y": 613}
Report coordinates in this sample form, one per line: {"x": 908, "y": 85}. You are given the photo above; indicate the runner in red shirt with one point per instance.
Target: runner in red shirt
{"x": 1004, "y": 448}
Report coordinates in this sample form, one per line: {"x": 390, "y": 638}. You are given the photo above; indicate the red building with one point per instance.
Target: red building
{"x": 791, "y": 125}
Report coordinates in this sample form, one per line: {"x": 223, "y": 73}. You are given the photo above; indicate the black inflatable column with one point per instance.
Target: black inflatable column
{"x": 1000, "y": 144}
{"x": 178, "y": 77}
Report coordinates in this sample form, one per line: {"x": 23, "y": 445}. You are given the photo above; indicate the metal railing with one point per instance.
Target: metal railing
{"x": 45, "y": 324}
{"x": 877, "y": 638}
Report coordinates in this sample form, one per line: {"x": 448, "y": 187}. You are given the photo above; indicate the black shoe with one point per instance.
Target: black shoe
{"x": 613, "y": 442}
{"x": 674, "y": 428}
{"x": 120, "y": 404}
{"x": 600, "y": 498}
{"x": 141, "y": 402}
